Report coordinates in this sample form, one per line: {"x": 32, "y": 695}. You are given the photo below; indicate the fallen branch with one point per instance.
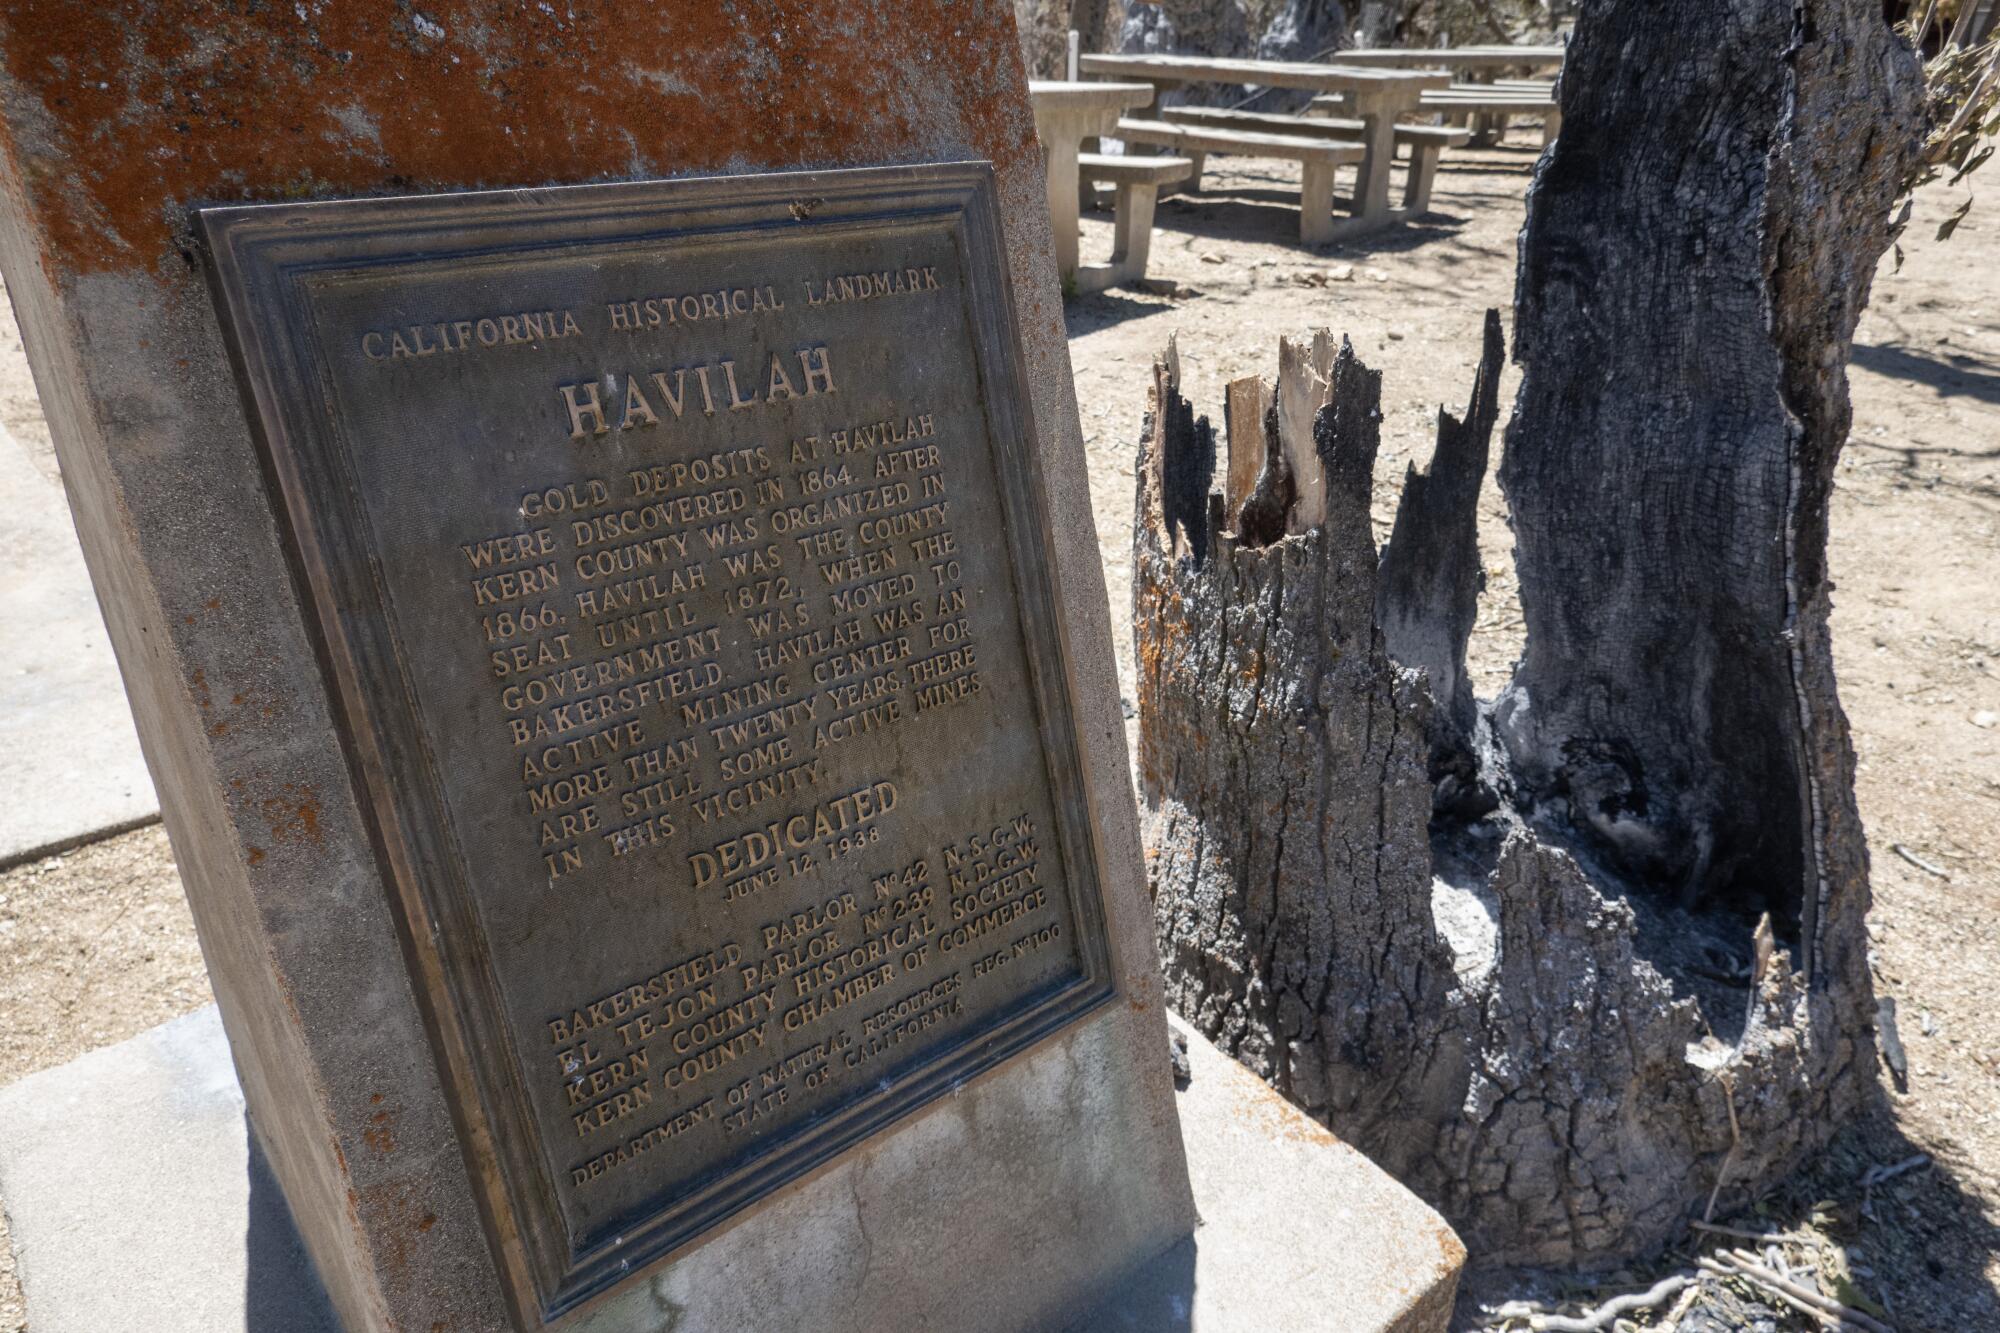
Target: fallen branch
{"x": 1733, "y": 1264}
{"x": 1594, "y": 1321}
{"x": 1875, "y": 1175}
{"x": 1728, "y": 1271}
{"x": 1602, "y": 1316}
{"x": 1919, "y": 862}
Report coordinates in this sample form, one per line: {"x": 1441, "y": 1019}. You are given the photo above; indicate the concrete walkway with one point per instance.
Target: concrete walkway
{"x": 68, "y": 750}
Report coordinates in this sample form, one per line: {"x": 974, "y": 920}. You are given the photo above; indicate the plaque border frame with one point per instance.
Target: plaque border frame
{"x": 257, "y": 256}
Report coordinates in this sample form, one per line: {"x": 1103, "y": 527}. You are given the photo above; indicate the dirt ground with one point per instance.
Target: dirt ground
{"x": 97, "y": 945}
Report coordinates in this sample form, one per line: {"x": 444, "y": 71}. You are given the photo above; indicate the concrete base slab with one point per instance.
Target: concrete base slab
{"x": 1298, "y": 1230}
{"x": 138, "y": 1200}
{"x": 67, "y": 743}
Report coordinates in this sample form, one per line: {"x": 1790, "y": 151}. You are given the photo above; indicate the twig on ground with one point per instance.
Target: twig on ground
{"x": 1844, "y": 1316}
{"x": 1789, "y": 1237}
{"x": 1812, "y": 1302}
{"x": 1735, "y": 1142}
{"x": 1919, "y": 862}
{"x": 1682, "y": 1306}
{"x": 1875, "y": 1175}
{"x": 1594, "y": 1321}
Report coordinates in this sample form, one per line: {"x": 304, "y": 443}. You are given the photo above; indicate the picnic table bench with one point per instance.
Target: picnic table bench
{"x": 1136, "y": 182}
{"x": 1317, "y": 159}
{"x": 1477, "y": 69}
{"x": 1473, "y": 60}
{"x": 1067, "y": 113}
{"x": 1377, "y": 97}
{"x": 1489, "y": 104}
{"x": 1425, "y": 143}
{"x": 1492, "y": 103}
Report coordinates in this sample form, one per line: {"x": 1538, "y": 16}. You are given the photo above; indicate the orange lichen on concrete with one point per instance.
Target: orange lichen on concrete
{"x": 380, "y": 1135}
{"x": 128, "y": 113}
{"x": 404, "y": 1223}
{"x": 292, "y": 814}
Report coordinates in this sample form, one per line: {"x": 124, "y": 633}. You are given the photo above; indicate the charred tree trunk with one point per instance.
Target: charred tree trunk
{"x": 1670, "y": 458}
{"x": 1564, "y": 961}
{"x": 1304, "y": 30}
{"x": 1382, "y": 22}
{"x": 1186, "y": 27}
{"x": 1428, "y": 597}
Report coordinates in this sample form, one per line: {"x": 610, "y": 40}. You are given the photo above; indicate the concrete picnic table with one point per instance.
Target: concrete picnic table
{"x": 1471, "y": 60}
{"x": 1475, "y": 64}
{"x": 1376, "y": 96}
{"x": 1065, "y": 115}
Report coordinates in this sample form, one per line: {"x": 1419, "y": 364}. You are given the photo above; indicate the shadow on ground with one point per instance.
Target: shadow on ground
{"x": 1907, "y": 462}
{"x": 1100, "y": 310}
{"x": 1952, "y": 374}
{"x": 1250, "y": 210}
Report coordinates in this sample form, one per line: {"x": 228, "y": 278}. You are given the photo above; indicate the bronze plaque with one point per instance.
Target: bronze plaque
{"x": 680, "y": 570}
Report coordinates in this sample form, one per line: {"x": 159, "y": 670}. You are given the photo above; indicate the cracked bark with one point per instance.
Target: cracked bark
{"x": 1276, "y": 746}
{"x": 1506, "y": 949}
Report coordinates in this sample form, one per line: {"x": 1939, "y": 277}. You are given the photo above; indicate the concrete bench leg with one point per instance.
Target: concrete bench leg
{"x": 1316, "y": 202}
{"x": 1192, "y": 185}
{"x": 1489, "y": 128}
{"x": 1132, "y": 231}
{"x": 1131, "y": 239}
{"x": 1086, "y": 191}
{"x": 1423, "y": 173}
{"x": 1552, "y": 125}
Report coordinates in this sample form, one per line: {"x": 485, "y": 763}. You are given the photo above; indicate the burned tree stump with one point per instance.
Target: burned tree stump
{"x": 1572, "y": 960}
{"x": 1282, "y": 755}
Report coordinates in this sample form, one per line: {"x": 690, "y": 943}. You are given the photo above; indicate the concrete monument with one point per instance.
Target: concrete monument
{"x": 606, "y": 649}
{"x": 590, "y": 509}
